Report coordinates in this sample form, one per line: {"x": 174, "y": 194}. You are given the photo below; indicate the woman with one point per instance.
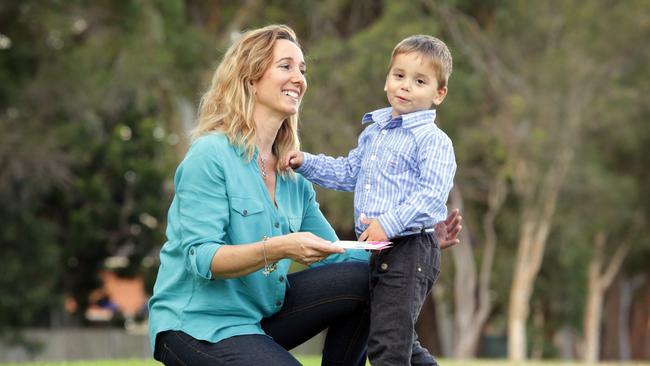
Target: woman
{"x": 222, "y": 295}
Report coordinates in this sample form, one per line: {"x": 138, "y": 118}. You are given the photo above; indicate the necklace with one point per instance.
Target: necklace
{"x": 263, "y": 160}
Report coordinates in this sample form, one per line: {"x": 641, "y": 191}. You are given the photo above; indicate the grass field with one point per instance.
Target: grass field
{"x": 315, "y": 361}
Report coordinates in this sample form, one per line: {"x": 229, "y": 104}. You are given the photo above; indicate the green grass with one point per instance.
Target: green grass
{"x": 315, "y": 361}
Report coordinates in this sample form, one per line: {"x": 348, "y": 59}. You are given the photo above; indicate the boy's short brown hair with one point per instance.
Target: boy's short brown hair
{"x": 432, "y": 49}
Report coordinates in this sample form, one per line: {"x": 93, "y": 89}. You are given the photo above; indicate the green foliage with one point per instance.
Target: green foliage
{"x": 88, "y": 107}
{"x": 92, "y": 128}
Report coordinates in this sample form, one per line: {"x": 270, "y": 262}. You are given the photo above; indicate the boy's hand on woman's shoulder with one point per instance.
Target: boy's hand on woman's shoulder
{"x": 294, "y": 160}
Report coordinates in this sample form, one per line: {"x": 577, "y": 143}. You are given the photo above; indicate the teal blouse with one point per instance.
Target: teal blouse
{"x": 221, "y": 199}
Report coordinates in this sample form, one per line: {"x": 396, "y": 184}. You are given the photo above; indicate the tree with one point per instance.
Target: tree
{"x": 541, "y": 116}
{"x": 87, "y": 97}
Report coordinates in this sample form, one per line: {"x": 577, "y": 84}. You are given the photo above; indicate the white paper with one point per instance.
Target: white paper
{"x": 368, "y": 245}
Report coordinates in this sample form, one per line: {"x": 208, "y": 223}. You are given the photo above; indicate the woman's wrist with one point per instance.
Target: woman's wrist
{"x": 276, "y": 248}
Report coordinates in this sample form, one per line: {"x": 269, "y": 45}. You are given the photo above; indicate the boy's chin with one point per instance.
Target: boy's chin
{"x": 400, "y": 111}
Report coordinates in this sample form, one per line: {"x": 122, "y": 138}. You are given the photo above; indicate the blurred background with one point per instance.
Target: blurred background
{"x": 547, "y": 108}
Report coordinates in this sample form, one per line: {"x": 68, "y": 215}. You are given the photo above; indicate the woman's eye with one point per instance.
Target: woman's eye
{"x": 285, "y": 66}
{"x": 303, "y": 71}
{"x": 399, "y": 76}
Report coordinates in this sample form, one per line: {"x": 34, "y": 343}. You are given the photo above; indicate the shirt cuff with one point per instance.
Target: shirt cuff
{"x": 307, "y": 168}
{"x": 201, "y": 259}
{"x": 391, "y": 224}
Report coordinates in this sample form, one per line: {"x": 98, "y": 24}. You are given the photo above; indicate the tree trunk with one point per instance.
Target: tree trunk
{"x": 597, "y": 285}
{"x": 465, "y": 332}
{"x": 592, "y": 319}
{"x": 470, "y": 315}
{"x": 517, "y": 315}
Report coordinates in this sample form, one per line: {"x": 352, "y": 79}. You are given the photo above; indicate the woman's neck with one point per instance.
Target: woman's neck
{"x": 266, "y": 132}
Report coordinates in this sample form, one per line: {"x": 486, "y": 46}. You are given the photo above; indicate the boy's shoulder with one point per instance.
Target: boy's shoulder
{"x": 430, "y": 132}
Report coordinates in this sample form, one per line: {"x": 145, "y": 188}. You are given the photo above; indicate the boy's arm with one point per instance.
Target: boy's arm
{"x": 334, "y": 173}
{"x": 437, "y": 168}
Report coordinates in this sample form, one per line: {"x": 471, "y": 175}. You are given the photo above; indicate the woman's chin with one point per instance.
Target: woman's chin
{"x": 291, "y": 111}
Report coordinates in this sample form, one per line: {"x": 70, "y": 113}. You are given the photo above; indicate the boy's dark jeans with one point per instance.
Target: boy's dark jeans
{"x": 400, "y": 280}
{"x": 333, "y": 297}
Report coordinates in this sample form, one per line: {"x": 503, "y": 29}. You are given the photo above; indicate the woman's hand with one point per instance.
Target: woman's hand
{"x": 447, "y": 231}
{"x": 307, "y": 248}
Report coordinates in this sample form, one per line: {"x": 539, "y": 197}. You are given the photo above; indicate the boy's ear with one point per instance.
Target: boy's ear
{"x": 386, "y": 86}
{"x": 440, "y": 95}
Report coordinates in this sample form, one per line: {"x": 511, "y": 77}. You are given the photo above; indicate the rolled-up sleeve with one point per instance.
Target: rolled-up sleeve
{"x": 203, "y": 209}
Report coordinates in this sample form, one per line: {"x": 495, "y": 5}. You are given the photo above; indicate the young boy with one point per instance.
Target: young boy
{"x": 402, "y": 172}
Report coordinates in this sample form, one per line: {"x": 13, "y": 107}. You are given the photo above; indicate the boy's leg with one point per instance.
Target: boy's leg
{"x": 333, "y": 297}
{"x": 400, "y": 280}
{"x": 421, "y": 356}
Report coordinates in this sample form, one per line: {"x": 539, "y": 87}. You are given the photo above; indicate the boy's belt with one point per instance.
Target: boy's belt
{"x": 426, "y": 230}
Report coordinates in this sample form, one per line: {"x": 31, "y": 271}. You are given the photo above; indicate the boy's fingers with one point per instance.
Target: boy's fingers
{"x": 363, "y": 236}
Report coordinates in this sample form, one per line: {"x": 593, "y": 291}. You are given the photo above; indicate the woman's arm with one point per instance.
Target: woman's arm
{"x": 232, "y": 261}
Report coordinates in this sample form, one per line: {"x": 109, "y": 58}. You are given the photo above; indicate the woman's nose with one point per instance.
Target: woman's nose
{"x": 298, "y": 78}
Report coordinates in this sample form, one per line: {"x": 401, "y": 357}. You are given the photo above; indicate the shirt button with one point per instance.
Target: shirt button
{"x": 277, "y": 225}
{"x": 367, "y": 187}
{"x": 245, "y": 212}
{"x": 419, "y": 269}
{"x": 384, "y": 266}
{"x": 281, "y": 278}
{"x": 383, "y": 132}
{"x": 278, "y": 303}
{"x": 373, "y": 157}
{"x": 192, "y": 251}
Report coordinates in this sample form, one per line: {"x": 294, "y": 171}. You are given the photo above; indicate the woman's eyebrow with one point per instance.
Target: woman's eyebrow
{"x": 302, "y": 63}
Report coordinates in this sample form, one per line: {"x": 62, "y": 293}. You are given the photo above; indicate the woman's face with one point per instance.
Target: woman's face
{"x": 279, "y": 91}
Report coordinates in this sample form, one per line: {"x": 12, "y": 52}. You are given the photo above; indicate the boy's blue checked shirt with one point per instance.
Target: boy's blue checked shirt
{"x": 401, "y": 172}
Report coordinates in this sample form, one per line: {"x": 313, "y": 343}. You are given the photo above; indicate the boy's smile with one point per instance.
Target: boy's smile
{"x": 411, "y": 84}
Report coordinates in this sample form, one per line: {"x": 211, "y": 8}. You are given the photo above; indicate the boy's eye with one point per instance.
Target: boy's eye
{"x": 421, "y": 82}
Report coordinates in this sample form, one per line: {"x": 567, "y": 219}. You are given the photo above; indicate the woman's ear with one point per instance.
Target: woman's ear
{"x": 252, "y": 86}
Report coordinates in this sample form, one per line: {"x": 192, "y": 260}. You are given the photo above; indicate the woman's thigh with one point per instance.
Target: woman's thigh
{"x": 316, "y": 298}
{"x": 177, "y": 348}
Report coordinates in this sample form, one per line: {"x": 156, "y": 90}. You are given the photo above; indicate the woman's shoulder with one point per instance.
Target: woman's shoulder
{"x": 211, "y": 148}
{"x": 211, "y": 142}
{"x": 214, "y": 144}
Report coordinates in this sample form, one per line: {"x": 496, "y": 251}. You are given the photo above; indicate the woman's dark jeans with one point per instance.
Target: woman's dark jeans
{"x": 333, "y": 297}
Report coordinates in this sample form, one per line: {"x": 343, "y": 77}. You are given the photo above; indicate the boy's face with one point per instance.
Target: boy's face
{"x": 411, "y": 84}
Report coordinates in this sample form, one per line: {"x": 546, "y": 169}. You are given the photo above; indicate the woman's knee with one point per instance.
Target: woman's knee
{"x": 355, "y": 276}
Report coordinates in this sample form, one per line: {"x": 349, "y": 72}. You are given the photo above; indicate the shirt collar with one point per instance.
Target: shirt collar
{"x": 384, "y": 117}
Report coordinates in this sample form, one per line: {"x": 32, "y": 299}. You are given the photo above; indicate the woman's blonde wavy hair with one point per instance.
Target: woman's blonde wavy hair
{"x": 227, "y": 106}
